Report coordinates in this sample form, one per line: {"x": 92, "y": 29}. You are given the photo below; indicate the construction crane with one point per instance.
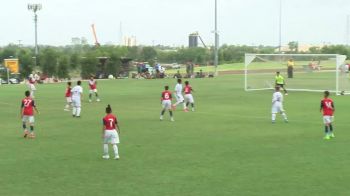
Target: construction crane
{"x": 97, "y": 44}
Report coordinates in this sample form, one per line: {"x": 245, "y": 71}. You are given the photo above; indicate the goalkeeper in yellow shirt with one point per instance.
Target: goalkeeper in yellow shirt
{"x": 280, "y": 82}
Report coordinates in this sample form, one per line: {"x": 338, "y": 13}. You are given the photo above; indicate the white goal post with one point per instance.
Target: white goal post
{"x": 302, "y": 72}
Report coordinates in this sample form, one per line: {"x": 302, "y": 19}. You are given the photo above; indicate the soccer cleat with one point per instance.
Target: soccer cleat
{"x": 273, "y": 122}
{"x": 192, "y": 109}
{"x": 73, "y": 115}
{"x": 161, "y": 118}
{"x": 66, "y": 110}
{"x": 31, "y": 136}
{"x": 172, "y": 119}
{"x": 105, "y": 157}
{"x": 26, "y": 132}
{"x": 332, "y": 135}
{"x": 90, "y": 100}
{"x": 116, "y": 157}
{"x": 185, "y": 110}
{"x": 327, "y": 137}
{"x": 286, "y": 94}
{"x": 286, "y": 120}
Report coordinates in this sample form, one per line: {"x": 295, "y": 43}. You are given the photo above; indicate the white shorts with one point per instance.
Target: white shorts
{"x": 277, "y": 108}
{"x": 76, "y": 102}
{"x": 93, "y": 91}
{"x": 32, "y": 87}
{"x": 179, "y": 98}
{"x": 69, "y": 99}
{"x": 29, "y": 119}
{"x": 166, "y": 104}
{"x": 111, "y": 137}
{"x": 328, "y": 119}
{"x": 189, "y": 98}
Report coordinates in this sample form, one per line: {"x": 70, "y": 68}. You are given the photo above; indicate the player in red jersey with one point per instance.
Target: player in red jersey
{"x": 327, "y": 107}
{"x": 68, "y": 96}
{"x": 93, "y": 89}
{"x": 27, "y": 114}
{"x": 188, "y": 96}
{"x": 110, "y": 133}
{"x": 166, "y": 103}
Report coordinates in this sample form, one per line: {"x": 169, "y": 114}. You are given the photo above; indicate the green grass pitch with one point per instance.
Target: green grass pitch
{"x": 228, "y": 146}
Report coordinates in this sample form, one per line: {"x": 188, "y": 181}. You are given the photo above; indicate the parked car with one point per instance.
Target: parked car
{"x": 11, "y": 80}
{"x": 175, "y": 66}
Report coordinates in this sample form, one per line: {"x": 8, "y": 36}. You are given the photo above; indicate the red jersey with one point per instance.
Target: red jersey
{"x": 327, "y": 106}
{"x": 92, "y": 84}
{"x": 31, "y": 81}
{"x": 68, "y": 92}
{"x": 188, "y": 89}
{"x": 110, "y": 121}
{"x": 28, "y": 105}
{"x": 166, "y": 95}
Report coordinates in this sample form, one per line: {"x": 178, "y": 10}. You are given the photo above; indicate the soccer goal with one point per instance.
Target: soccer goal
{"x": 302, "y": 72}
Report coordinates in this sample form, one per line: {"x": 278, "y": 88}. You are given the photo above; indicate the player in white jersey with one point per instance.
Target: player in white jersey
{"x": 178, "y": 95}
{"x": 277, "y": 105}
{"x": 31, "y": 85}
{"x": 77, "y": 94}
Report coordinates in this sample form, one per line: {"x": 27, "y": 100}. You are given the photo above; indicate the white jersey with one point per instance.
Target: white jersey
{"x": 178, "y": 89}
{"x": 277, "y": 100}
{"x": 76, "y": 92}
{"x": 277, "y": 97}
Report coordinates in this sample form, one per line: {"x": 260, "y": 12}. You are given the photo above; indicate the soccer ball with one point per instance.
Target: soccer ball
{"x": 110, "y": 76}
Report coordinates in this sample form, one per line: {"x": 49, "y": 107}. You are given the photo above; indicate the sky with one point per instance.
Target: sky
{"x": 169, "y": 22}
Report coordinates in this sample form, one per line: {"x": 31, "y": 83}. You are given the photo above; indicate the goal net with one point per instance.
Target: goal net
{"x": 302, "y": 72}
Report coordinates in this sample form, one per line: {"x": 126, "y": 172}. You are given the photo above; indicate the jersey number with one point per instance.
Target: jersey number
{"x": 328, "y": 104}
{"x": 166, "y": 96}
{"x": 111, "y": 120}
{"x": 27, "y": 102}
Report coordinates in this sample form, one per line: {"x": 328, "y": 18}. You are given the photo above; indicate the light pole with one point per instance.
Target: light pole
{"x": 216, "y": 49}
{"x": 280, "y": 28}
{"x": 35, "y": 8}
{"x": 347, "y": 30}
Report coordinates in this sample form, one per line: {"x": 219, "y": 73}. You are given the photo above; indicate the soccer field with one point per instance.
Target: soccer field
{"x": 228, "y": 146}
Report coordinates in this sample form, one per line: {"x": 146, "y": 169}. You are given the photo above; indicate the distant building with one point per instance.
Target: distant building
{"x": 193, "y": 40}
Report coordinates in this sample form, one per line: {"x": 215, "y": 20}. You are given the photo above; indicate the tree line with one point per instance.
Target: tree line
{"x": 60, "y": 61}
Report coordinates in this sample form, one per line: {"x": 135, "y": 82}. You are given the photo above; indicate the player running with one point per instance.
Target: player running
{"x": 166, "y": 103}
{"x": 110, "y": 133}
{"x": 68, "y": 96}
{"x": 93, "y": 89}
{"x": 277, "y": 105}
{"x": 188, "y": 96}
{"x": 27, "y": 115}
{"x": 178, "y": 95}
{"x": 31, "y": 85}
{"x": 327, "y": 107}
{"x": 77, "y": 95}
{"x": 280, "y": 82}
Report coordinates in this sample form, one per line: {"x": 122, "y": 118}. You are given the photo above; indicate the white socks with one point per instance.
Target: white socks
{"x": 74, "y": 111}
{"x": 105, "y": 149}
{"x": 115, "y": 149}
{"x": 273, "y": 116}
{"x": 78, "y": 111}
{"x": 284, "y": 115}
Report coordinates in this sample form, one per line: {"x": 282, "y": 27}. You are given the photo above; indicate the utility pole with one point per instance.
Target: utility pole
{"x": 280, "y": 29}
{"x": 347, "y": 30}
{"x": 216, "y": 49}
{"x": 35, "y": 8}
